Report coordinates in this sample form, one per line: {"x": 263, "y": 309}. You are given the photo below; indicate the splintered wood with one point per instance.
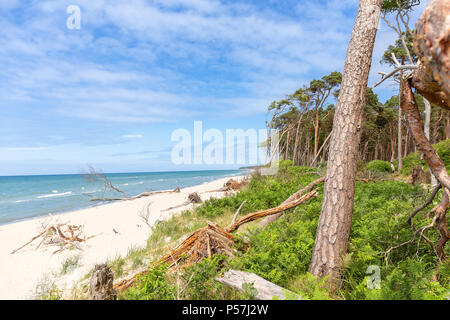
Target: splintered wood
{"x": 62, "y": 235}
{"x": 212, "y": 239}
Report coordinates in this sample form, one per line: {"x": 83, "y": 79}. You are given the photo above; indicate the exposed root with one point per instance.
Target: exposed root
{"x": 439, "y": 220}
{"x": 62, "y": 235}
{"x": 212, "y": 239}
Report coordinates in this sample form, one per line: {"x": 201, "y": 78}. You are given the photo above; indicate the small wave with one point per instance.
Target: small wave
{"x": 55, "y": 191}
{"x": 21, "y": 201}
{"x": 125, "y": 184}
{"x": 54, "y": 195}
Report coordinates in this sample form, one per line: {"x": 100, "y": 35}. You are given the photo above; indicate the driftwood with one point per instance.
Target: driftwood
{"x": 230, "y": 185}
{"x": 101, "y": 283}
{"x": 265, "y": 290}
{"x": 211, "y": 239}
{"x": 141, "y": 195}
{"x": 60, "y": 234}
{"x": 192, "y": 198}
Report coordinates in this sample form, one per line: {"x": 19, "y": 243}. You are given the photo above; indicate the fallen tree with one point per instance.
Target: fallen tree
{"x": 141, "y": 195}
{"x": 60, "y": 234}
{"x": 264, "y": 290}
{"x": 212, "y": 239}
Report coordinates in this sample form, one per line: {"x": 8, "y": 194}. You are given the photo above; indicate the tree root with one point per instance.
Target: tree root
{"x": 212, "y": 239}
{"x": 60, "y": 234}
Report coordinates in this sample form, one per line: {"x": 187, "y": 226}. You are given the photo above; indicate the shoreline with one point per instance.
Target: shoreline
{"x": 111, "y": 230}
{"x": 87, "y": 206}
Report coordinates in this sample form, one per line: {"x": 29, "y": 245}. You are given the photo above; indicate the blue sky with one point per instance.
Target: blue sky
{"x": 111, "y": 93}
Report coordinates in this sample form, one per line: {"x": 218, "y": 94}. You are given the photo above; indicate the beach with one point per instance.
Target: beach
{"x": 111, "y": 231}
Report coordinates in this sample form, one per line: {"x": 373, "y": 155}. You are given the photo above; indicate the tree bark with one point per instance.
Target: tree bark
{"x": 337, "y": 207}
{"x": 264, "y": 290}
{"x": 415, "y": 125}
{"x": 399, "y": 133}
{"x": 426, "y": 129}
{"x": 432, "y": 45}
{"x": 101, "y": 284}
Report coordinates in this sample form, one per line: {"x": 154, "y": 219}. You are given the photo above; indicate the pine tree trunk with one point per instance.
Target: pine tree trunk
{"x": 337, "y": 207}
{"x": 399, "y": 147}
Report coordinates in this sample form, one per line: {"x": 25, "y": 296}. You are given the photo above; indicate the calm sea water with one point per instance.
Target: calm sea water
{"x": 24, "y": 197}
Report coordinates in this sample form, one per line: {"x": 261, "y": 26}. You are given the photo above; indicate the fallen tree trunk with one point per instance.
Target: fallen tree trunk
{"x": 265, "y": 290}
{"x": 309, "y": 187}
{"x": 211, "y": 239}
{"x": 141, "y": 195}
{"x": 296, "y": 195}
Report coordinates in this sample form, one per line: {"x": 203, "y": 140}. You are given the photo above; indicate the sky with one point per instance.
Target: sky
{"x": 111, "y": 93}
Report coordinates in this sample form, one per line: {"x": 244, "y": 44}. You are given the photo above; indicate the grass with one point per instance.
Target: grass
{"x": 282, "y": 251}
{"x": 70, "y": 264}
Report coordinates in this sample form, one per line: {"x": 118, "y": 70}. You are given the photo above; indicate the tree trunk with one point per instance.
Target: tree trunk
{"x": 426, "y": 129}
{"x": 101, "y": 284}
{"x": 415, "y": 125}
{"x": 447, "y": 127}
{"x": 316, "y": 133}
{"x": 432, "y": 45}
{"x": 337, "y": 206}
{"x": 399, "y": 147}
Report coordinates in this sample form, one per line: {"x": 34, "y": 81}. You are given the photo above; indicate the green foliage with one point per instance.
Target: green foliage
{"x": 379, "y": 166}
{"x": 281, "y": 252}
{"x": 200, "y": 280}
{"x": 443, "y": 149}
{"x": 70, "y": 264}
{"x": 413, "y": 159}
{"x": 153, "y": 285}
{"x": 392, "y": 5}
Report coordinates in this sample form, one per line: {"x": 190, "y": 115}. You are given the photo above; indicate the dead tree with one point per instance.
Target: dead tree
{"x": 101, "y": 283}
{"x": 212, "y": 239}
{"x": 95, "y": 176}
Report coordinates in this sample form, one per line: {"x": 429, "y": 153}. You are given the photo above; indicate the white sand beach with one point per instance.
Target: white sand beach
{"x": 116, "y": 228}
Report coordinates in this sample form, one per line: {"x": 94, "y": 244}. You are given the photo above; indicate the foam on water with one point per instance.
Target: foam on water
{"x": 23, "y": 197}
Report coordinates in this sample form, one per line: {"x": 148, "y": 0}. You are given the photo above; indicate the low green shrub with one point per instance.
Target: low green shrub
{"x": 153, "y": 285}
{"x": 413, "y": 159}
{"x": 281, "y": 252}
{"x": 379, "y": 166}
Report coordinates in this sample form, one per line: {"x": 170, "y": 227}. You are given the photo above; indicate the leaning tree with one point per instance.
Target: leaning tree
{"x": 430, "y": 77}
{"x": 337, "y": 207}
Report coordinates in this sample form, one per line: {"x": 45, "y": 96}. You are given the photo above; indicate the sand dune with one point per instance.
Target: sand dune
{"x": 23, "y": 272}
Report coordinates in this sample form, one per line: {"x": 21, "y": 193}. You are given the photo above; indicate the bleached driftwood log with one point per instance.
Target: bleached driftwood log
{"x": 266, "y": 290}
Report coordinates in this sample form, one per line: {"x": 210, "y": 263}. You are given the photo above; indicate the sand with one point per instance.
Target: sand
{"x": 23, "y": 274}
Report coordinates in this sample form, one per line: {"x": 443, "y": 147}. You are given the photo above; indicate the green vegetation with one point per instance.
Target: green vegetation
{"x": 379, "y": 166}
{"x": 281, "y": 252}
{"x": 70, "y": 264}
{"x": 413, "y": 159}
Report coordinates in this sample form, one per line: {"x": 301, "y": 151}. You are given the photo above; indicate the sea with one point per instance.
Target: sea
{"x": 26, "y": 197}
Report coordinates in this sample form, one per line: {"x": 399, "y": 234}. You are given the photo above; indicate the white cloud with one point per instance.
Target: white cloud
{"x": 132, "y": 136}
